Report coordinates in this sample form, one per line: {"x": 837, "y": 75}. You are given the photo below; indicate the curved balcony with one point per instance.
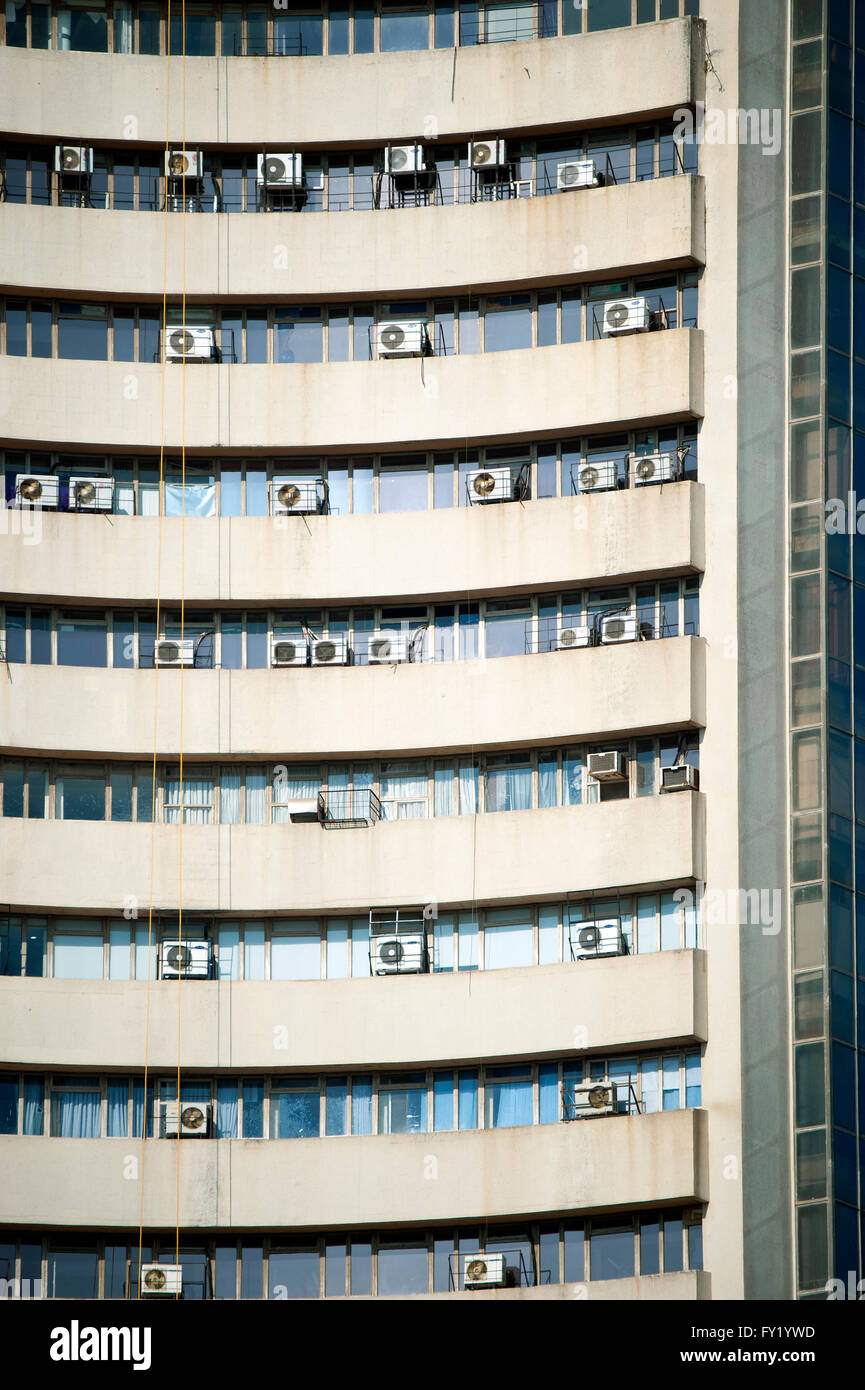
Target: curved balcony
{"x": 375, "y": 98}
{"x": 508, "y": 702}
{"x": 651, "y": 1160}
{"x": 415, "y": 1021}
{"x": 430, "y": 555}
{"x": 509, "y": 856}
{"x": 527, "y": 241}
{"x": 546, "y": 392}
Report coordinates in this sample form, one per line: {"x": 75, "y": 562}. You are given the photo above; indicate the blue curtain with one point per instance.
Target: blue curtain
{"x": 76, "y": 1114}
{"x": 118, "y": 1116}
{"x": 467, "y": 1084}
{"x": 361, "y": 1105}
{"x": 34, "y": 1106}
{"x": 693, "y": 1086}
{"x": 196, "y": 499}
{"x": 9, "y": 1106}
{"x": 548, "y": 1088}
{"x": 547, "y": 781}
{"x": 443, "y": 1100}
{"x": 510, "y": 1103}
{"x": 226, "y": 1109}
{"x": 138, "y": 1109}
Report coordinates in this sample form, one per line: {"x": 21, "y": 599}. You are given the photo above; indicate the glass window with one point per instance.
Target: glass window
{"x": 298, "y": 334}
{"x": 80, "y": 796}
{"x": 402, "y": 1270}
{"x": 402, "y": 1108}
{"x": 506, "y": 943}
{"x": 508, "y": 1097}
{"x": 507, "y": 323}
{"x": 611, "y": 1249}
{"x": 293, "y": 1273}
{"x": 77, "y": 956}
{"x": 403, "y": 487}
{"x": 402, "y": 31}
{"x": 72, "y": 1273}
{"x": 82, "y": 332}
{"x": 295, "y": 1114}
{"x": 295, "y": 955}
{"x": 82, "y": 641}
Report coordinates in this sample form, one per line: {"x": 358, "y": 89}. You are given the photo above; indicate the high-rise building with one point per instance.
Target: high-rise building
{"x": 432, "y": 655}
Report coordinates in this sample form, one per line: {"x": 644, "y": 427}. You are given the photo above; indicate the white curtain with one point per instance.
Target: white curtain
{"x": 508, "y": 945}
{"x": 337, "y": 950}
{"x": 123, "y": 28}
{"x": 547, "y": 782}
{"x": 124, "y": 499}
{"x": 443, "y": 942}
{"x": 301, "y": 784}
{"x": 294, "y": 956}
{"x": 148, "y": 499}
{"x": 256, "y": 798}
{"x": 468, "y": 788}
{"x": 443, "y": 784}
{"x": 119, "y": 944}
{"x": 360, "y": 967}
{"x": 198, "y": 801}
{"x": 508, "y": 789}
{"x": 253, "y": 947}
{"x": 404, "y": 791}
{"x": 229, "y": 797}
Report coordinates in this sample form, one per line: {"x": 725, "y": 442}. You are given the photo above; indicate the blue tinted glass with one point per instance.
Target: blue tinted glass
{"x": 695, "y": 1247}
{"x": 73, "y": 1273}
{"x": 841, "y": 928}
{"x": 402, "y": 1271}
{"x": 82, "y": 332}
{"x": 810, "y": 1088}
{"x": 468, "y": 1099}
{"x": 253, "y": 1109}
{"x": 16, "y": 634}
{"x": 574, "y": 1254}
{"x": 842, "y": 1006}
{"x": 839, "y": 232}
{"x": 444, "y": 26}
{"x": 840, "y": 77}
{"x": 650, "y": 1245}
{"x": 16, "y": 24}
{"x": 508, "y": 328}
{"x": 335, "y": 1105}
{"x": 9, "y": 1105}
{"x": 838, "y": 394}
{"x": 846, "y": 1242}
{"x": 843, "y": 1086}
{"x": 293, "y": 1274}
{"x": 840, "y": 850}
{"x": 443, "y": 1100}
{"x": 363, "y": 30}
{"x": 298, "y": 1115}
{"x": 608, "y": 14}
{"x": 402, "y": 31}
{"x": 838, "y": 310}
{"x": 840, "y": 774}
{"x": 337, "y": 31}
{"x": 298, "y": 336}
{"x": 672, "y": 1244}
{"x": 81, "y": 643}
{"x": 548, "y": 1090}
{"x": 16, "y": 331}
{"x": 840, "y": 136}
{"x": 10, "y": 949}
{"x": 611, "y": 1249}
{"x": 839, "y": 20}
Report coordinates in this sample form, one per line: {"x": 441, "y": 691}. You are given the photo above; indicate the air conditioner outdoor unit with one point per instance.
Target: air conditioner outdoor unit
{"x": 174, "y": 651}
{"x": 484, "y": 1271}
{"x": 591, "y": 1102}
{"x": 186, "y": 960}
{"x": 399, "y": 955}
{"x": 73, "y": 159}
{"x": 593, "y": 940}
{"x": 161, "y": 1280}
{"x": 304, "y": 811}
{"x": 600, "y": 476}
{"x": 626, "y": 316}
{"x": 280, "y": 170}
{"x": 91, "y": 494}
{"x": 487, "y": 154}
{"x": 681, "y": 778}
{"x": 570, "y": 636}
{"x": 653, "y": 468}
{"x": 188, "y": 344}
{"x": 401, "y": 338}
{"x": 387, "y": 647}
{"x": 607, "y": 767}
{"x": 31, "y": 491}
{"x": 288, "y": 651}
{"x": 289, "y": 498}
{"x": 507, "y": 484}
{"x": 330, "y": 651}
{"x": 180, "y": 163}
{"x": 577, "y": 173}
{"x": 404, "y": 159}
{"x": 188, "y": 1120}
{"x": 618, "y": 627}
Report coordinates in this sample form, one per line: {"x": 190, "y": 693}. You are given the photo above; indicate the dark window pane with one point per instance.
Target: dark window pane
{"x": 810, "y": 1086}
{"x": 403, "y": 1271}
{"x": 611, "y": 1249}
{"x": 608, "y": 14}
{"x": 293, "y": 1274}
{"x": 807, "y": 153}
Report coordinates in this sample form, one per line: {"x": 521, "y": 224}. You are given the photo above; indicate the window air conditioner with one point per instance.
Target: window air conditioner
{"x": 399, "y": 955}
{"x": 601, "y": 476}
{"x": 653, "y": 468}
{"x": 484, "y": 1271}
{"x": 508, "y": 484}
{"x": 161, "y": 1280}
{"x": 593, "y": 940}
{"x": 570, "y": 636}
{"x": 304, "y": 811}
{"x": 401, "y": 338}
{"x": 330, "y": 651}
{"x": 387, "y": 647}
{"x": 619, "y": 627}
{"x": 404, "y": 159}
{"x": 577, "y": 173}
{"x": 180, "y": 163}
{"x": 626, "y": 316}
{"x": 289, "y": 498}
{"x": 33, "y": 491}
{"x": 73, "y": 159}
{"x": 591, "y": 1102}
{"x": 288, "y": 651}
{"x": 280, "y": 170}
{"x": 174, "y": 651}
{"x": 186, "y": 960}
{"x": 188, "y": 344}
{"x": 487, "y": 154}
{"x": 607, "y": 767}
{"x": 91, "y": 494}
{"x": 681, "y": 778}
{"x": 189, "y": 1120}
